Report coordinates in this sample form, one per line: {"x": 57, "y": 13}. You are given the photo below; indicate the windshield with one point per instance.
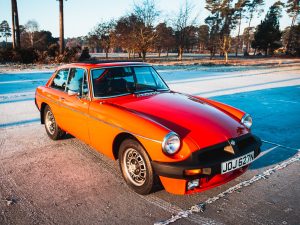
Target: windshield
{"x": 115, "y": 81}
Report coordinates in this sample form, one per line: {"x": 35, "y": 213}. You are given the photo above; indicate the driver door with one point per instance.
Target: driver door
{"x": 76, "y": 104}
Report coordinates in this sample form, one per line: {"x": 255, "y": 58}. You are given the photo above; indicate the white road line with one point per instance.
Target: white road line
{"x": 265, "y": 152}
{"x": 174, "y": 209}
{"x": 21, "y": 81}
{"x": 279, "y": 145}
{"x": 201, "y": 206}
{"x": 288, "y": 101}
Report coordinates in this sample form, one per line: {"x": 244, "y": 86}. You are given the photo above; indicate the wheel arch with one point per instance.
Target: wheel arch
{"x": 43, "y": 106}
{"x": 118, "y": 141}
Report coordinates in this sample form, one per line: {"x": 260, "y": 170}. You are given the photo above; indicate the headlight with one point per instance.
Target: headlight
{"x": 171, "y": 143}
{"x": 247, "y": 121}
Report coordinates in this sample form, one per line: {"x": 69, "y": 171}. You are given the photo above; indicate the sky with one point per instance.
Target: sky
{"x": 81, "y": 16}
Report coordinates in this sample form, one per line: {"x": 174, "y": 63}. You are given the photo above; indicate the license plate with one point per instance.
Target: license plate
{"x": 237, "y": 163}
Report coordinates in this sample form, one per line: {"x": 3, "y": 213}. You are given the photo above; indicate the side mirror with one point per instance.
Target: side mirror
{"x": 73, "y": 93}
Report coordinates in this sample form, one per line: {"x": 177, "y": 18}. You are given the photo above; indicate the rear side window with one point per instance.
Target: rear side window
{"x": 77, "y": 82}
{"x": 60, "y": 80}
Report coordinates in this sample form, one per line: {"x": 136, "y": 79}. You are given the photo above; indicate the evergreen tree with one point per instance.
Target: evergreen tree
{"x": 5, "y": 30}
{"x": 267, "y": 35}
{"x": 252, "y": 7}
{"x": 225, "y": 14}
{"x": 293, "y": 10}
{"x": 203, "y": 37}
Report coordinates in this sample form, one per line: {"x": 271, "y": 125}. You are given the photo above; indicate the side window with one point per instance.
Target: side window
{"x": 60, "y": 80}
{"x": 77, "y": 82}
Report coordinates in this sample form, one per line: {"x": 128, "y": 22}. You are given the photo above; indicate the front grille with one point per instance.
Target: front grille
{"x": 216, "y": 154}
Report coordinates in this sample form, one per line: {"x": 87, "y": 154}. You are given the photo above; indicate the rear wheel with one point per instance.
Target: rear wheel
{"x": 52, "y": 129}
{"x": 136, "y": 166}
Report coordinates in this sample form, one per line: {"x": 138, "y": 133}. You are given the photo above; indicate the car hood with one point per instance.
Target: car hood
{"x": 187, "y": 116}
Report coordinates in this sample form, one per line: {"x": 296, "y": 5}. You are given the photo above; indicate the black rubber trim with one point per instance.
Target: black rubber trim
{"x": 207, "y": 158}
{"x": 36, "y": 104}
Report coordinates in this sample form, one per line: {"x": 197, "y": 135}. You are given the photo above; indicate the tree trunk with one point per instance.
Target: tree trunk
{"x": 238, "y": 37}
{"x": 13, "y": 24}
{"x": 226, "y": 57}
{"x": 159, "y": 52}
{"x": 61, "y": 27}
{"x": 106, "y": 54}
{"x": 129, "y": 51}
{"x": 248, "y": 34}
{"x": 167, "y": 53}
{"x": 180, "y": 53}
{"x": 144, "y": 55}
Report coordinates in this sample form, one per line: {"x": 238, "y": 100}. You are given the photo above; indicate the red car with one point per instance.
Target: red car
{"x": 126, "y": 111}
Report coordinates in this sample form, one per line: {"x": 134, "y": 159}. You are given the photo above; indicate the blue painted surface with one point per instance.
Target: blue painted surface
{"x": 26, "y": 82}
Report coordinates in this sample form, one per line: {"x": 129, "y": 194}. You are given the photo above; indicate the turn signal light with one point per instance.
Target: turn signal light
{"x": 193, "y": 172}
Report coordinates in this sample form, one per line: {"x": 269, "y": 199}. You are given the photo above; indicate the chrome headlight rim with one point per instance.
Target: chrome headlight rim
{"x": 245, "y": 123}
{"x": 166, "y": 138}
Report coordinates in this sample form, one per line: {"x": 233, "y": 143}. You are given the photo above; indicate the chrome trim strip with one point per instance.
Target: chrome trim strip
{"x": 97, "y": 119}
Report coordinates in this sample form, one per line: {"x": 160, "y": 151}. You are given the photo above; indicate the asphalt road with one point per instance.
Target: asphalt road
{"x": 66, "y": 182}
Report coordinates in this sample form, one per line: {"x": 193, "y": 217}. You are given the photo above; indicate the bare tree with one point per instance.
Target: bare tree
{"x": 125, "y": 33}
{"x": 15, "y": 25}
{"x": 165, "y": 39}
{"x": 104, "y": 32}
{"x": 31, "y": 27}
{"x": 182, "y": 22}
{"x": 147, "y": 13}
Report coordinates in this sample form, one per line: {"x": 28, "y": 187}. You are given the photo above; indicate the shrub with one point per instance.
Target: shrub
{"x": 85, "y": 54}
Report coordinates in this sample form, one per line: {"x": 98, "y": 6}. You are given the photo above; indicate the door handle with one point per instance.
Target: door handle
{"x": 61, "y": 98}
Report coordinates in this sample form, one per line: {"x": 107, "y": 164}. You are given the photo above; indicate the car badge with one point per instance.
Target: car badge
{"x": 229, "y": 148}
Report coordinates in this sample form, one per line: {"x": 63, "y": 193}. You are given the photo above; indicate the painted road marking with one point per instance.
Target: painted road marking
{"x": 22, "y": 122}
{"x": 279, "y": 145}
{"x": 22, "y": 81}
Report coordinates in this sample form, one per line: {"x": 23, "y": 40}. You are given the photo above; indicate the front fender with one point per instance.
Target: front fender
{"x": 231, "y": 111}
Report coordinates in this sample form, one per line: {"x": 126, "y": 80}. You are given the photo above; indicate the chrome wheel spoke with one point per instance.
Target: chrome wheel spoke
{"x": 50, "y": 122}
{"x": 135, "y": 167}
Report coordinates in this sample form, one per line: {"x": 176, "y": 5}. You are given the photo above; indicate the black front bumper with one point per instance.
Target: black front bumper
{"x": 210, "y": 157}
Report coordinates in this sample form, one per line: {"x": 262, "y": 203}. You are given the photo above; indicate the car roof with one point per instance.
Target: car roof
{"x": 99, "y": 64}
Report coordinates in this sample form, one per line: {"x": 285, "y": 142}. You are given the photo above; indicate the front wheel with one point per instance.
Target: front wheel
{"x": 136, "y": 166}
{"x": 52, "y": 129}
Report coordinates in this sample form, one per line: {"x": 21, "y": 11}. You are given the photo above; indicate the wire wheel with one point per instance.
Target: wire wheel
{"x": 50, "y": 122}
{"x": 135, "y": 167}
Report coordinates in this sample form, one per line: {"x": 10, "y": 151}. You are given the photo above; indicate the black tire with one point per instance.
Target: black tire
{"x": 53, "y": 130}
{"x": 140, "y": 163}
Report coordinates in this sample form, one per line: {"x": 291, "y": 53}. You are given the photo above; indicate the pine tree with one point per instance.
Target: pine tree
{"x": 293, "y": 10}
{"x": 252, "y": 6}
{"x": 5, "y": 30}
{"x": 267, "y": 36}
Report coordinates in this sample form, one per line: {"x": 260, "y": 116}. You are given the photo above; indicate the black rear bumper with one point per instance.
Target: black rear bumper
{"x": 210, "y": 157}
